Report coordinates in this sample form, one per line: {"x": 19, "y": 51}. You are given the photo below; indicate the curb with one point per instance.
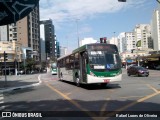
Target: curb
{"x": 22, "y": 87}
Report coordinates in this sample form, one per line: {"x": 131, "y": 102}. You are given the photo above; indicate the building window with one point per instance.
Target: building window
{"x": 9, "y": 48}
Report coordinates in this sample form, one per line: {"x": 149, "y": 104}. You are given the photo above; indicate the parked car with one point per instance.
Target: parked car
{"x": 138, "y": 71}
{"x": 131, "y": 66}
{"x": 157, "y": 67}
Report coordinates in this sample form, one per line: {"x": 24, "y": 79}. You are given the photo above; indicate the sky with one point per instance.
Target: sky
{"x": 81, "y": 19}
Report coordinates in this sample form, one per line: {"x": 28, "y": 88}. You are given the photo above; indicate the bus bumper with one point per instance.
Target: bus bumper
{"x": 93, "y": 79}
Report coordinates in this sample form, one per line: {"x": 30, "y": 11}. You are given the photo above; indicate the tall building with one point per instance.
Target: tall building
{"x": 122, "y": 42}
{"x": 26, "y": 31}
{"x": 63, "y": 51}
{"x": 58, "y": 49}
{"x": 43, "y": 56}
{"x": 4, "y": 33}
{"x": 155, "y": 29}
{"x": 130, "y": 41}
{"x": 143, "y": 32}
{"x": 49, "y": 38}
{"x": 113, "y": 40}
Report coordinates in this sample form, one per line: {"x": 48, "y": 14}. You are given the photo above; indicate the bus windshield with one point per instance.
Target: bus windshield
{"x": 102, "y": 60}
{"x": 54, "y": 65}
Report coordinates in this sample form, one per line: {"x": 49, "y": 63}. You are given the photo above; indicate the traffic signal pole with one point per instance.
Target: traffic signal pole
{"x": 5, "y": 59}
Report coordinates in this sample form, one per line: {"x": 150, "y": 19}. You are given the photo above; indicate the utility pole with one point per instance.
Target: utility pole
{"x": 77, "y": 31}
{"x": 5, "y": 59}
{"x": 114, "y": 37}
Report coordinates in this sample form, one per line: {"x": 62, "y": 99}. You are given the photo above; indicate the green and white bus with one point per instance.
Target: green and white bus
{"x": 92, "y": 63}
{"x": 54, "y": 69}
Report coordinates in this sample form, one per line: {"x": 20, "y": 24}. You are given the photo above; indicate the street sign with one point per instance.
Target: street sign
{"x": 13, "y": 10}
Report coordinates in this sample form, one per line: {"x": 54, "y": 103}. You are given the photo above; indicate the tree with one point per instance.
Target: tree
{"x": 30, "y": 63}
{"x": 138, "y": 44}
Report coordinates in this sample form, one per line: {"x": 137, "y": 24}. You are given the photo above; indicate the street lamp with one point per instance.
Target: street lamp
{"x": 77, "y": 31}
{"x": 114, "y": 37}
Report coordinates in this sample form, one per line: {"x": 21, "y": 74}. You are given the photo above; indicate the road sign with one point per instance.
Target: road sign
{"x": 13, "y": 10}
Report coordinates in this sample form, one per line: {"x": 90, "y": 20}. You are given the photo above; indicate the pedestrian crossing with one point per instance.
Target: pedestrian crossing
{"x": 1, "y": 102}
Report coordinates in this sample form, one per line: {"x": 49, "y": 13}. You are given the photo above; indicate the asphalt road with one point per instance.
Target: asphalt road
{"x": 121, "y": 99}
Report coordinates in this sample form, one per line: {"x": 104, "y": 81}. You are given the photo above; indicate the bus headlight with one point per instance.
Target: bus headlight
{"x": 91, "y": 73}
{"x": 120, "y": 72}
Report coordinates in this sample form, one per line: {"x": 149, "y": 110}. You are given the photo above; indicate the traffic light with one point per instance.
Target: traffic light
{"x": 105, "y": 39}
{"x": 101, "y": 40}
{"x": 5, "y": 56}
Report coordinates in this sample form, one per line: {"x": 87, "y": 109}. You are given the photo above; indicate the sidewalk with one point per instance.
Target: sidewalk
{"x": 17, "y": 82}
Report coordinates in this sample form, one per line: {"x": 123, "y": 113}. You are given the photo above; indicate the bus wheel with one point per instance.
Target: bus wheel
{"x": 77, "y": 82}
{"x": 103, "y": 85}
{"x": 128, "y": 73}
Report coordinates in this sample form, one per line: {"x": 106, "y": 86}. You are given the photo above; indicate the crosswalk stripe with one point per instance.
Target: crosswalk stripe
{"x": 1, "y": 102}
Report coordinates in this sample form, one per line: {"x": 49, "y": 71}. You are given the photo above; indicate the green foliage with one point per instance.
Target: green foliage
{"x": 138, "y": 44}
{"x": 30, "y": 63}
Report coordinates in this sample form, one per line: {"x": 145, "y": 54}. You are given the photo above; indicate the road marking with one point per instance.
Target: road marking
{"x": 103, "y": 109}
{"x": 1, "y": 98}
{"x": 1, "y": 101}
{"x": 72, "y": 101}
{"x": 151, "y": 87}
{"x": 69, "y": 93}
{"x": 39, "y": 79}
{"x": 130, "y": 97}
{"x": 133, "y": 103}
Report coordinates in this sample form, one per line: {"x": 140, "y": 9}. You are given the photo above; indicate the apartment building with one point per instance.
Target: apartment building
{"x": 48, "y": 37}
{"x": 130, "y": 41}
{"x": 63, "y": 51}
{"x": 26, "y": 31}
{"x": 143, "y": 32}
{"x": 14, "y": 53}
{"x": 155, "y": 28}
{"x": 3, "y": 33}
{"x": 122, "y": 42}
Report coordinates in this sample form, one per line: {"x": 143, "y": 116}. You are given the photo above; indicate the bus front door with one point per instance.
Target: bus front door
{"x": 83, "y": 66}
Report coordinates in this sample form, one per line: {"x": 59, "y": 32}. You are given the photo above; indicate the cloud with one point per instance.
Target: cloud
{"x": 62, "y": 10}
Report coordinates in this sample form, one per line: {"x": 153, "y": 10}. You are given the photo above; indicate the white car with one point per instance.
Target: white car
{"x": 20, "y": 72}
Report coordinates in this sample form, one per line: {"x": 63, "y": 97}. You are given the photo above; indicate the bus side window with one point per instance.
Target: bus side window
{"x": 67, "y": 63}
{"x": 86, "y": 57}
{"x": 76, "y": 61}
{"x": 71, "y": 61}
